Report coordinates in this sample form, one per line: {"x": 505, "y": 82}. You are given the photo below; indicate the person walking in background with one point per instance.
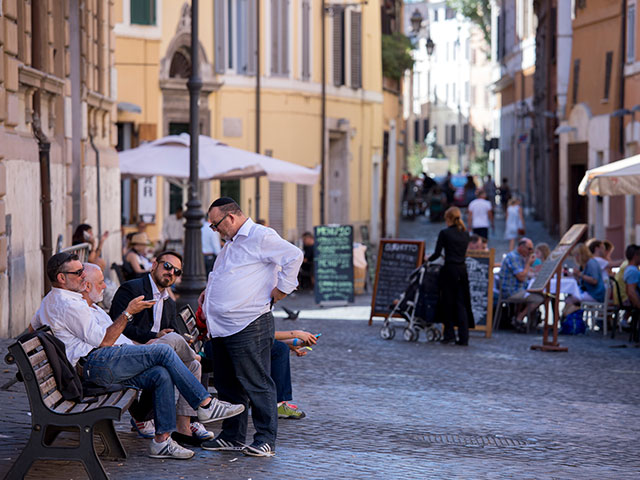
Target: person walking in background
{"x": 505, "y": 193}
{"x": 454, "y": 299}
{"x": 514, "y": 223}
{"x": 480, "y": 215}
{"x": 490, "y": 189}
{"x": 255, "y": 269}
{"x": 469, "y": 190}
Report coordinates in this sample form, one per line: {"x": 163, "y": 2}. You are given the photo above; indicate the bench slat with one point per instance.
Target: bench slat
{"x": 64, "y": 407}
{"x": 44, "y": 372}
{"x": 31, "y": 344}
{"x": 38, "y": 358}
{"x": 48, "y": 385}
{"x": 79, "y": 407}
{"x": 53, "y": 399}
{"x": 127, "y": 397}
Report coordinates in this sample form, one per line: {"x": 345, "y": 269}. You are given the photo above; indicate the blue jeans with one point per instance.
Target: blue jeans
{"x": 281, "y": 371}
{"x": 241, "y": 375}
{"x": 153, "y": 367}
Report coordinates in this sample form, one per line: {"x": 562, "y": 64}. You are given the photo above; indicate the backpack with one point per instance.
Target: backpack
{"x": 573, "y": 324}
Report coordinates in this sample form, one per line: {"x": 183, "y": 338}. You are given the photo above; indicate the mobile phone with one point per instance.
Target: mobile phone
{"x": 317, "y": 335}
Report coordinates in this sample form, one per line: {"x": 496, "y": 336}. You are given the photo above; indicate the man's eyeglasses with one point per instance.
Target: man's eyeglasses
{"x": 214, "y": 226}
{"x": 77, "y": 272}
{"x": 168, "y": 267}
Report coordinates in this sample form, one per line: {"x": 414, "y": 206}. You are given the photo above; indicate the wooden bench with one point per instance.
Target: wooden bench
{"x": 51, "y": 415}
{"x": 189, "y": 319}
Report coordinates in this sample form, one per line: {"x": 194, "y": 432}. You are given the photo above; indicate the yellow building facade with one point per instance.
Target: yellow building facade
{"x": 152, "y": 61}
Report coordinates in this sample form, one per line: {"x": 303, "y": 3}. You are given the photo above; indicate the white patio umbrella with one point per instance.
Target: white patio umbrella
{"x": 169, "y": 157}
{"x": 616, "y": 178}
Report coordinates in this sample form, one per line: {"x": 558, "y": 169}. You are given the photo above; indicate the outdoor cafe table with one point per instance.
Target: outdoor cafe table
{"x": 568, "y": 286}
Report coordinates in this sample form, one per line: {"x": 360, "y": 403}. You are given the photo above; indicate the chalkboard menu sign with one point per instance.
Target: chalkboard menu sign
{"x": 333, "y": 264}
{"x": 480, "y": 271}
{"x": 396, "y": 260}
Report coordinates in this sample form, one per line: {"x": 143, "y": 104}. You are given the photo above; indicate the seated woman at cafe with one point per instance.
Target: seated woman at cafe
{"x": 589, "y": 279}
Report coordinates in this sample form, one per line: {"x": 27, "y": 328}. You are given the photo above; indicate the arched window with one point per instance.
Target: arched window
{"x": 180, "y": 65}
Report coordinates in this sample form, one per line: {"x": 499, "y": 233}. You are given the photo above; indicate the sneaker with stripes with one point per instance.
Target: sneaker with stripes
{"x": 200, "y": 432}
{"x": 145, "y": 429}
{"x": 259, "y": 450}
{"x": 170, "y": 449}
{"x": 221, "y": 445}
{"x": 218, "y": 410}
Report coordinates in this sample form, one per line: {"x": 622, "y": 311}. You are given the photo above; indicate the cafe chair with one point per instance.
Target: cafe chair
{"x": 595, "y": 312}
{"x": 632, "y": 313}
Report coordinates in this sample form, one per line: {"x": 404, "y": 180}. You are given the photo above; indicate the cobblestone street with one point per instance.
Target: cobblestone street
{"x": 392, "y": 409}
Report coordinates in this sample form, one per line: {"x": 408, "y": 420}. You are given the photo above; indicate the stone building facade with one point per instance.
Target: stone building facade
{"x": 57, "y": 84}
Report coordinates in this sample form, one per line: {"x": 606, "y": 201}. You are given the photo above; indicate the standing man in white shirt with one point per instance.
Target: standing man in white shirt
{"x": 254, "y": 269}
{"x": 481, "y": 214}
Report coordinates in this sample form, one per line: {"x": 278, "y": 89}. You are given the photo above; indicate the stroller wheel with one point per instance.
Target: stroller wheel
{"x": 387, "y": 333}
{"x": 410, "y": 334}
{"x": 432, "y": 334}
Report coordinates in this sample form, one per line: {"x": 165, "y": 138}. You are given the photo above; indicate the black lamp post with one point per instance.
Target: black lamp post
{"x": 193, "y": 279}
{"x": 416, "y": 21}
{"x": 430, "y": 46}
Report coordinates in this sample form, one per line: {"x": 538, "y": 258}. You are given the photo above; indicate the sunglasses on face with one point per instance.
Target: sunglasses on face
{"x": 168, "y": 267}
{"x": 214, "y": 226}
{"x": 77, "y": 272}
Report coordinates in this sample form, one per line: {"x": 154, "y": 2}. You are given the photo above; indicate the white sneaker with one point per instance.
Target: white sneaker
{"x": 169, "y": 449}
{"x": 218, "y": 410}
{"x": 200, "y": 432}
{"x": 145, "y": 429}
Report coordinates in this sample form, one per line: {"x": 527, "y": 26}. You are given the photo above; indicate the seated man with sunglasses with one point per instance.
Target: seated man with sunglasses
{"x": 102, "y": 357}
{"x": 160, "y": 324}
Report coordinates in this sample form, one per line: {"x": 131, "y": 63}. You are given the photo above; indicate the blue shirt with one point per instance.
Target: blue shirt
{"x": 593, "y": 270}
{"x": 512, "y": 265}
{"x": 632, "y": 276}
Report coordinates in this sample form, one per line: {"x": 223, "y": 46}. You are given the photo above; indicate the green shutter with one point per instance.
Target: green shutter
{"x": 143, "y": 12}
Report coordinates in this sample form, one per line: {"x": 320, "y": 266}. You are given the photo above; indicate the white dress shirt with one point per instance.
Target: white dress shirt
{"x": 159, "y": 305}
{"x": 80, "y": 327}
{"x": 173, "y": 228}
{"x": 246, "y": 271}
{"x": 210, "y": 240}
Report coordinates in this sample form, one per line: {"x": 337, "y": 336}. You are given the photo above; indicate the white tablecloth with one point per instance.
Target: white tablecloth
{"x": 568, "y": 285}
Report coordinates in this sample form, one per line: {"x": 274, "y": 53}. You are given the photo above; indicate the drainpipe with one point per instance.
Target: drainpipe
{"x": 258, "y": 103}
{"x": 323, "y": 102}
{"x": 97, "y": 152}
{"x": 44, "y": 146}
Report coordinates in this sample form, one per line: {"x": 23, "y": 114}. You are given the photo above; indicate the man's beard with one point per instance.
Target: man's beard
{"x": 95, "y": 296}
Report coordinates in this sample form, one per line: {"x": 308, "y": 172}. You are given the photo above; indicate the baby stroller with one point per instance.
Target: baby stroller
{"x": 417, "y": 305}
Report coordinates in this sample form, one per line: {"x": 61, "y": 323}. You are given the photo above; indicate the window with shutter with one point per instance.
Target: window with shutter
{"x": 251, "y": 37}
{"x": 608, "y": 63}
{"x": 275, "y": 32}
{"x": 276, "y": 201}
{"x": 284, "y": 37}
{"x": 302, "y": 208}
{"x": 230, "y": 32}
{"x": 631, "y": 34}
{"x": 425, "y": 127}
{"x": 338, "y": 46}
{"x": 453, "y": 134}
{"x": 306, "y": 40}
{"x": 143, "y": 12}
{"x": 219, "y": 36}
{"x": 241, "y": 31}
{"x": 356, "y": 50}
{"x": 576, "y": 75}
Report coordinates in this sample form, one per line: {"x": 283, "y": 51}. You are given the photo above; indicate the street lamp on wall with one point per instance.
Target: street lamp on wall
{"x": 416, "y": 21}
{"x": 430, "y": 46}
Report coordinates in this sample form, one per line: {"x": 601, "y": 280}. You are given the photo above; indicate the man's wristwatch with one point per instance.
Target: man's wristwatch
{"x": 128, "y": 316}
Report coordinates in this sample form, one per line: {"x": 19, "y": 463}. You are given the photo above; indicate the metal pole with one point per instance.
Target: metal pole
{"x": 44, "y": 146}
{"x": 193, "y": 280}
{"x": 323, "y": 101}
{"x": 97, "y": 152}
{"x": 258, "y": 102}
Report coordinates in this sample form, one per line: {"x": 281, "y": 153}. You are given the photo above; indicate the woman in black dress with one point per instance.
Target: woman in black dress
{"x": 454, "y": 300}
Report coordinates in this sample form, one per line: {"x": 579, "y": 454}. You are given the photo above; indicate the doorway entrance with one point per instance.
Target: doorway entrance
{"x": 338, "y": 178}
{"x": 578, "y": 155}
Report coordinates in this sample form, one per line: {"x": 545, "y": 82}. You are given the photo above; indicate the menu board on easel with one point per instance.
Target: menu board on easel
{"x": 333, "y": 264}
{"x": 396, "y": 260}
{"x": 480, "y": 272}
